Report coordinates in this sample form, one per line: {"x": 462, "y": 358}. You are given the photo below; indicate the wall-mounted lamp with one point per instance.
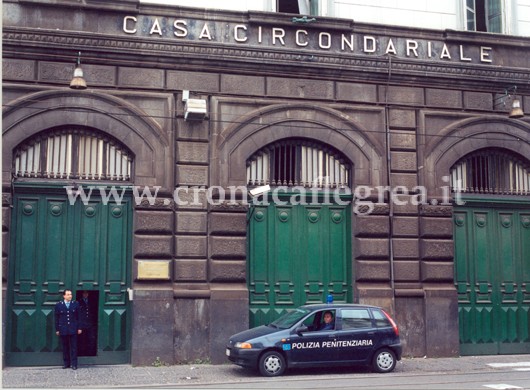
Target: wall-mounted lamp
{"x": 194, "y": 109}
{"x": 78, "y": 82}
{"x": 516, "y": 110}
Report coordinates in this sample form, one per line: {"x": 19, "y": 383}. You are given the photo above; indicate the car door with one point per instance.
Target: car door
{"x": 312, "y": 346}
{"x": 357, "y": 335}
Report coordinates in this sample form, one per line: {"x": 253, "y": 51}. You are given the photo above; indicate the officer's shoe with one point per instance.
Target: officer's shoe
{"x": 66, "y": 366}
{"x": 74, "y": 367}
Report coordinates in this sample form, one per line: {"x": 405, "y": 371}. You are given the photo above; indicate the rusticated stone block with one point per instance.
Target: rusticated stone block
{"x": 6, "y": 218}
{"x": 405, "y": 204}
{"x": 404, "y": 161}
{"x": 436, "y": 271}
{"x": 441, "y": 320}
{"x": 193, "y": 81}
{"x": 371, "y": 248}
{"x": 192, "y": 130}
{"x": 371, "y": 226}
{"x": 191, "y": 246}
{"x": 192, "y": 175}
{"x": 228, "y": 247}
{"x": 443, "y": 98}
{"x": 406, "y": 248}
{"x": 355, "y": 92}
{"x": 141, "y": 77}
{"x": 436, "y": 227}
{"x": 408, "y": 180}
{"x": 191, "y": 330}
{"x": 193, "y": 198}
{"x": 437, "y": 249}
{"x": 159, "y": 247}
{"x": 402, "y": 119}
{"x": 5, "y": 244}
{"x": 228, "y": 223}
{"x": 402, "y": 140}
{"x": 406, "y": 271}
{"x": 149, "y": 222}
{"x": 192, "y": 152}
{"x": 228, "y": 271}
{"x": 242, "y": 85}
{"x": 407, "y": 95}
{"x": 190, "y": 270}
{"x": 405, "y": 227}
{"x": 191, "y": 222}
{"x": 478, "y": 101}
{"x": 411, "y": 321}
{"x": 373, "y": 271}
{"x": 18, "y": 69}
{"x": 299, "y": 88}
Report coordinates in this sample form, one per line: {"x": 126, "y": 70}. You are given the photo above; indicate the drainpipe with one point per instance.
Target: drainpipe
{"x": 388, "y": 171}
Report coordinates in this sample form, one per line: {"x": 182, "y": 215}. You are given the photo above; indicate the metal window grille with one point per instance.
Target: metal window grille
{"x": 73, "y": 154}
{"x": 491, "y": 171}
{"x": 298, "y": 162}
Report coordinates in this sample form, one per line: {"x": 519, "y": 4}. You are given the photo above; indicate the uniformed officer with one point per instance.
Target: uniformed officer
{"x": 328, "y": 323}
{"x": 88, "y": 311}
{"x": 67, "y": 327}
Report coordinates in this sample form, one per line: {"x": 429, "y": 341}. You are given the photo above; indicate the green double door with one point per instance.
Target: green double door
{"x": 57, "y": 245}
{"x": 298, "y": 254}
{"x": 492, "y": 276}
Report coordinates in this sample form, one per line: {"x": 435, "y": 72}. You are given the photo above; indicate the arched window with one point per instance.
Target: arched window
{"x": 73, "y": 153}
{"x": 298, "y": 162}
{"x": 491, "y": 171}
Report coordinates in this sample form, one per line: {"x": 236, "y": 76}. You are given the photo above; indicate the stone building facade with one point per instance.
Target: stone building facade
{"x": 175, "y": 279}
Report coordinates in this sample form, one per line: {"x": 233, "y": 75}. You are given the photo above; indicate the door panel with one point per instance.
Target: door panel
{"x": 492, "y": 256}
{"x": 55, "y": 246}
{"x": 298, "y": 254}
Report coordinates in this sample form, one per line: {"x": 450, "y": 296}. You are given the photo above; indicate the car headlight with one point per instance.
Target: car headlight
{"x": 243, "y": 345}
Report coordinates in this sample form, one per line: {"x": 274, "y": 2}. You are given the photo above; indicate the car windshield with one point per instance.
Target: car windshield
{"x": 290, "y": 318}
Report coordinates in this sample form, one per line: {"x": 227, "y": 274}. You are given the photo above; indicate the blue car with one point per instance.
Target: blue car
{"x": 320, "y": 335}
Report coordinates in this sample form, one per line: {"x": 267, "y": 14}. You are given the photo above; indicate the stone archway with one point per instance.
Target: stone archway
{"x": 236, "y": 143}
{"x": 466, "y": 136}
{"x": 36, "y": 112}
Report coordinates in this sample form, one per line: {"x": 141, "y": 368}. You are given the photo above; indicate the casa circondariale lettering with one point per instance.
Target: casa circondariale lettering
{"x": 303, "y": 38}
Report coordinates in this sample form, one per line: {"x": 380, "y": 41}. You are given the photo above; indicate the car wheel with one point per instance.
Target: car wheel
{"x": 384, "y": 360}
{"x": 271, "y": 363}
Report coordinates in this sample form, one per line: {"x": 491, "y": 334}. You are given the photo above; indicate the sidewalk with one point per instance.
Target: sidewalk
{"x": 126, "y": 376}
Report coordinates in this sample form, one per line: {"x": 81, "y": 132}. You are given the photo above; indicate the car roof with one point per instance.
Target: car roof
{"x": 331, "y": 306}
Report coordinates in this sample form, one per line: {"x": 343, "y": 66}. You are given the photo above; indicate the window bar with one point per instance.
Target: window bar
{"x": 100, "y": 158}
{"x": 283, "y": 163}
{"x": 266, "y": 164}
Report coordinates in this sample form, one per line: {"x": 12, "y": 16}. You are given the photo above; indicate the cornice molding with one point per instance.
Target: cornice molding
{"x": 40, "y": 42}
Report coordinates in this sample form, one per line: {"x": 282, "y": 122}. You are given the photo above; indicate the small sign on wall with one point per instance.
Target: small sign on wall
{"x": 153, "y": 270}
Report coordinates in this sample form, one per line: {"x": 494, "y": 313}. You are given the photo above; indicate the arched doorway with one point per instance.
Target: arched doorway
{"x": 278, "y": 228}
{"x": 492, "y": 251}
{"x": 113, "y": 121}
{"x": 299, "y": 238}
{"x": 69, "y": 231}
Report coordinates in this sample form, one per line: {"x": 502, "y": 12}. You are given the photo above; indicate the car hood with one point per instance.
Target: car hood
{"x": 253, "y": 333}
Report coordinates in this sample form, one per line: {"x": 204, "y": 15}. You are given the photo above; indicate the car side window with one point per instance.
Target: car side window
{"x": 380, "y": 319}
{"x": 356, "y": 319}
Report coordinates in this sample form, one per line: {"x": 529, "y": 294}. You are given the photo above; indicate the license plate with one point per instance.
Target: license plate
{"x": 227, "y": 352}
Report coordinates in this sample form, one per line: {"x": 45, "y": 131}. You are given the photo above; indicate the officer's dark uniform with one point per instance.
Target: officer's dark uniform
{"x": 88, "y": 323}
{"x": 67, "y": 324}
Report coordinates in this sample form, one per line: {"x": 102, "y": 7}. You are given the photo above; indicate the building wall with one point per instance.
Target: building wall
{"x": 394, "y": 116}
{"x": 419, "y": 14}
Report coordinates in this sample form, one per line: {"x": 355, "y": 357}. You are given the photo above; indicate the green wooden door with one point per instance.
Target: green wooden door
{"x": 298, "y": 254}
{"x": 56, "y": 245}
{"x": 492, "y": 276}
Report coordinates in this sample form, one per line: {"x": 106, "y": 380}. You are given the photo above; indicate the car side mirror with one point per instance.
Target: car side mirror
{"x": 301, "y": 329}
